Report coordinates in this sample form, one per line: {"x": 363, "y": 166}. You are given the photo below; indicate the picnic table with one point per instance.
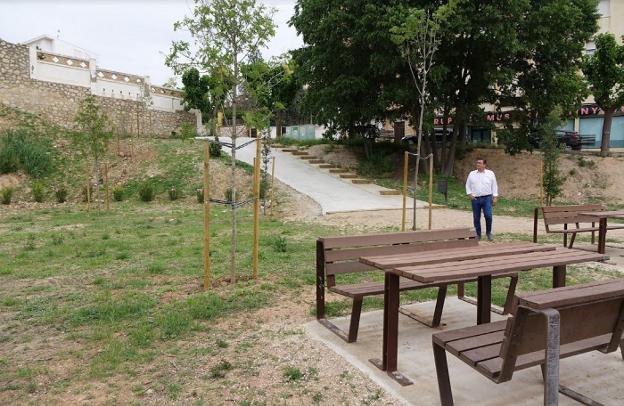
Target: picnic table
{"x": 480, "y": 262}
{"x": 602, "y": 216}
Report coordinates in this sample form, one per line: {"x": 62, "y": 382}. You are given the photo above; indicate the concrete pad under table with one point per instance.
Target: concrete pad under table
{"x": 596, "y": 375}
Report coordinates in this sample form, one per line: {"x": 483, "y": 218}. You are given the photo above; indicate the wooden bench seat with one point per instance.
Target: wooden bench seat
{"x": 338, "y": 256}
{"x": 570, "y": 220}
{"x": 546, "y": 326}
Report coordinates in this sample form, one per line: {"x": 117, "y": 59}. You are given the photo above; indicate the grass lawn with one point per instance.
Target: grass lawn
{"x": 108, "y": 308}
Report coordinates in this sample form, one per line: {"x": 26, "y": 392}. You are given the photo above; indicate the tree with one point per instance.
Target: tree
{"x": 93, "y": 135}
{"x": 171, "y": 83}
{"x": 543, "y": 71}
{"x": 226, "y": 33}
{"x": 604, "y": 71}
{"x": 351, "y": 69}
{"x": 272, "y": 85}
{"x": 418, "y": 38}
{"x": 552, "y": 180}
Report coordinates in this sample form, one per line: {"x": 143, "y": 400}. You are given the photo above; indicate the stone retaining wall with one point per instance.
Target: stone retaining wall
{"x": 58, "y": 102}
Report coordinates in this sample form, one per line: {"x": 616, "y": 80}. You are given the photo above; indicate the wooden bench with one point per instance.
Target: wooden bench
{"x": 569, "y": 215}
{"x": 337, "y": 256}
{"x": 545, "y": 327}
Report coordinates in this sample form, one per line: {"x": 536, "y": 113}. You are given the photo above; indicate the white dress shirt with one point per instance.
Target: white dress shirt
{"x": 481, "y": 183}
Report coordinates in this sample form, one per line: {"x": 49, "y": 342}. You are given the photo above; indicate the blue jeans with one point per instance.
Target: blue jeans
{"x": 482, "y": 203}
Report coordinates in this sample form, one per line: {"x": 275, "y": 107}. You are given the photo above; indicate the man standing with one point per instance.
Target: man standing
{"x": 482, "y": 189}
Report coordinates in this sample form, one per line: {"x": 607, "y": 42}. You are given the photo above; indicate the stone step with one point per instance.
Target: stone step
{"x": 338, "y": 170}
{"x": 361, "y": 181}
{"x": 299, "y": 152}
{"x": 348, "y": 176}
{"x": 277, "y": 146}
{"x": 327, "y": 166}
{"x": 308, "y": 157}
{"x": 389, "y": 192}
{"x": 290, "y": 149}
{"x": 316, "y": 161}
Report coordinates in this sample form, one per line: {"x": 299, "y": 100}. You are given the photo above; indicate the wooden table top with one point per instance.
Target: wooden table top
{"x": 452, "y": 254}
{"x": 493, "y": 265}
{"x": 603, "y": 213}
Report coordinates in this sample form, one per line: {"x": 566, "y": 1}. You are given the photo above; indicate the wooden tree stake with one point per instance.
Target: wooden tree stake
{"x": 256, "y": 212}
{"x": 207, "y": 276}
{"x": 405, "y": 172}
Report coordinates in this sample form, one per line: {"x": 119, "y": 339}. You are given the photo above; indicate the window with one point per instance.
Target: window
{"x": 604, "y": 7}
{"x": 590, "y": 48}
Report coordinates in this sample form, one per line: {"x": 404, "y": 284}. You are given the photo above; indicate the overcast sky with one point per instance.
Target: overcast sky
{"x": 130, "y": 36}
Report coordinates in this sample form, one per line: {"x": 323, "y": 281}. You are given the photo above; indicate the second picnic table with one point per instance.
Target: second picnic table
{"x": 481, "y": 262}
{"x": 602, "y": 216}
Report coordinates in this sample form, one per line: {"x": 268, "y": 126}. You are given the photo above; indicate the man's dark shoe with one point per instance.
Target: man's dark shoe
{"x": 490, "y": 237}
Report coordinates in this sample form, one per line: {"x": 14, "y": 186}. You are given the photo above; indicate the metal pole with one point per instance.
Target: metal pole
{"x": 405, "y": 173}
{"x": 256, "y": 212}
{"x": 272, "y": 183}
{"x": 430, "y": 187}
{"x": 207, "y": 281}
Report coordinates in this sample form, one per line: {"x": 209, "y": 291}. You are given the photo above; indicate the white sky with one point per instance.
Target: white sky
{"x": 129, "y": 36}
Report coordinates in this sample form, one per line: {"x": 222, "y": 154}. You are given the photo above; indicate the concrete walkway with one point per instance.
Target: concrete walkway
{"x": 594, "y": 374}
{"x": 333, "y": 194}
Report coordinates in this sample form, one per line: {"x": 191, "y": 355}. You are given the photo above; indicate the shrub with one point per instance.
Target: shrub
{"x": 280, "y": 244}
{"x": 87, "y": 193}
{"x": 200, "y": 195}
{"x": 173, "y": 193}
{"x": 118, "y": 193}
{"x": 37, "y": 192}
{"x": 229, "y": 196}
{"x": 22, "y": 149}
{"x": 61, "y": 194}
{"x": 214, "y": 150}
{"x": 146, "y": 192}
{"x": 6, "y": 194}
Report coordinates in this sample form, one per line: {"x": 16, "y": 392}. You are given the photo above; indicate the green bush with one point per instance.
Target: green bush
{"x": 229, "y": 196}
{"x": 61, "y": 194}
{"x": 22, "y": 149}
{"x": 200, "y": 195}
{"x": 118, "y": 193}
{"x": 6, "y": 194}
{"x": 87, "y": 193}
{"x": 38, "y": 192}
{"x": 173, "y": 193}
{"x": 146, "y": 192}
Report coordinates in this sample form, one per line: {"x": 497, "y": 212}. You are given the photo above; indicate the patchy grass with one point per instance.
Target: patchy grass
{"x": 104, "y": 303}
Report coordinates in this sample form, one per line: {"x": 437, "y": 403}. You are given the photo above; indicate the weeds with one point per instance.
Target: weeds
{"x": 6, "y": 194}
{"x": 37, "y": 192}
{"x": 218, "y": 371}
{"x": 61, "y": 194}
{"x": 118, "y": 193}
{"x": 146, "y": 192}
{"x": 292, "y": 374}
{"x": 24, "y": 149}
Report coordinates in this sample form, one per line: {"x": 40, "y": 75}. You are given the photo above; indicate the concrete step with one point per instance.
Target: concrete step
{"x": 338, "y": 170}
{"x": 290, "y": 149}
{"x": 327, "y": 166}
{"x": 299, "y": 152}
{"x": 389, "y": 192}
{"x": 348, "y": 176}
{"x": 316, "y": 161}
{"x": 361, "y": 181}
{"x": 308, "y": 157}
{"x": 277, "y": 146}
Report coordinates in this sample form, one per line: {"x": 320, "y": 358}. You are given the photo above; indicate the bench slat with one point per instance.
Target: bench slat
{"x": 472, "y": 331}
{"x": 354, "y": 254}
{"x": 571, "y": 295}
{"x": 584, "y": 207}
{"x": 492, "y": 367}
{"x": 495, "y": 265}
{"x": 387, "y": 262}
{"x": 396, "y": 238}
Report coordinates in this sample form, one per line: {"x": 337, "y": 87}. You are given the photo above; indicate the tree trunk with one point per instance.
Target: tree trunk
{"x": 606, "y": 132}
{"x": 233, "y": 175}
{"x": 444, "y": 152}
{"x": 96, "y": 170}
